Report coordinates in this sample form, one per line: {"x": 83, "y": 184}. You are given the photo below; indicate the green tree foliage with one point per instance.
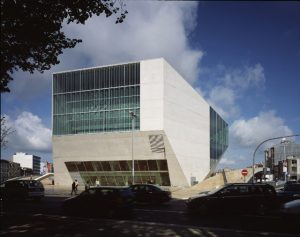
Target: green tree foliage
{"x": 31, "y": 31}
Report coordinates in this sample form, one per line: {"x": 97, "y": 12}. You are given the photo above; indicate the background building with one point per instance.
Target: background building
{"x": 283, "y": 160}
{"x": 28, "y": 162}
{"x": 46, "y": 167}
{"x": 106, "y": 117}
{"x": 9, "y": 170}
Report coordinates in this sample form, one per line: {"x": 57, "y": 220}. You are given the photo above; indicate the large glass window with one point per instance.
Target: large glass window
{"x": 96, "y": 100}
{"x": 218, "y": 136}
{"x": 120, "y": 173}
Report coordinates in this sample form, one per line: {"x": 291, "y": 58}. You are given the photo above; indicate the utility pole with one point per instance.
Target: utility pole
{"x": 133, "y": 116}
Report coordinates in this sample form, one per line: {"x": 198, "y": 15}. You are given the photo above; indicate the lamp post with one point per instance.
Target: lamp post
{"x": 270, "y": 139}
{"x": 133, "y": 116}
{"x": 265, "y": 164}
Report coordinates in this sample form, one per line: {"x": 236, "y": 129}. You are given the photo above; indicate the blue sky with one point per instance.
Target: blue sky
{"x": 243, "y": 57}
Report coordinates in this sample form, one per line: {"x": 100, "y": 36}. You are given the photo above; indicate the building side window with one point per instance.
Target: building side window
{"x": 218, "y": 135}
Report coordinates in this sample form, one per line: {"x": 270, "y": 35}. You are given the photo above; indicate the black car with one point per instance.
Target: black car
{"x": 290, "y": 191}
{"x": 101, "y": 201}
{"x": 22, "y": 190}
{"x": 150, "y": 193}
{"x": 235, "y": 198}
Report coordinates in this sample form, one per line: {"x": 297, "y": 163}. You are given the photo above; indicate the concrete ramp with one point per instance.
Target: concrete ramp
{"x": 218, "y": 180}
{"x": 45, "y": 176}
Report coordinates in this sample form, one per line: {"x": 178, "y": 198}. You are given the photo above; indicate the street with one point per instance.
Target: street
{"x": 46, "y": 218}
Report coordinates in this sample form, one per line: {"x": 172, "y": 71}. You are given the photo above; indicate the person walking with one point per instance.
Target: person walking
{"x": 73, "y": 188}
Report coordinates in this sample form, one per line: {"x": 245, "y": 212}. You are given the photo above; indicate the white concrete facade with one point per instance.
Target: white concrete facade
{"x": 25, "y": 160}
{"x": 170, "y": 104}
{"x": 170, "y": 107}
{"x": 28, "y": 161}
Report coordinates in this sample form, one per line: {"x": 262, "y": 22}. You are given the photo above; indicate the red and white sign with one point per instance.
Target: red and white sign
{"x": 244, "y": 172}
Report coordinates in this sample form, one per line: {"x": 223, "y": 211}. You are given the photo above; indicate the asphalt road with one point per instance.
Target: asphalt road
{"x": 46, "y": 218}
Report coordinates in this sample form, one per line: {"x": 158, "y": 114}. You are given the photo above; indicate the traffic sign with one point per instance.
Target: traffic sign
{"x": 244, "y": 172}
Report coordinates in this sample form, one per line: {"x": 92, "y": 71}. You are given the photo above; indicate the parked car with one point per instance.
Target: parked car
{"x": 235, "y": 198}
{"x": 290, "y": 191}
{"x": 101, "y": 201}
{"x": 22, "y": 189}
{"x": 291, "y": 209}
{"x": 150, "y": 193}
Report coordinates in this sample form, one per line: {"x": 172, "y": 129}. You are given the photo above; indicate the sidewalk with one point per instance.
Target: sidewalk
{"x": 53, "y": 190}
{"x": 63, "y": 191}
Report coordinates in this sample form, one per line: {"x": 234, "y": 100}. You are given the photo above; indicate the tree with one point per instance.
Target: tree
{"x": 5, "y": 132}
{"x": 31, "y": 31}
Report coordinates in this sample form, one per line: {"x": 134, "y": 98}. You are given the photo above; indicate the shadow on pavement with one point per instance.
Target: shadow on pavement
{"x": 42, "y": 225}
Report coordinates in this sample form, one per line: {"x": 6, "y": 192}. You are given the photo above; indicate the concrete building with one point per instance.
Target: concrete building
{"x": 283, "y": 160}
{"x": 46, "y": 167}
{"x": 28, "y": 162}
{"x": 107, "y": 120}
{"x": 9, "y": 170}
{"x": 293, "y": 167}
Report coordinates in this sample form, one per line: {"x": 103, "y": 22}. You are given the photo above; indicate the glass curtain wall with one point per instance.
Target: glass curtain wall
{"x": 218, "y": 137}
{"x": 119, "y": 173}
{"x": 96, "y": 100}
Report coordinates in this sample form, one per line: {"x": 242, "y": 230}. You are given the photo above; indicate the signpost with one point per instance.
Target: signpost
{"x": 244, "y": 173}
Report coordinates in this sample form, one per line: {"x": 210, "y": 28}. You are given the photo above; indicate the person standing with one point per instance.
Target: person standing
{"x": 73, "y": 188}
{"x": 76, "y": 186}
{"x": 87, "y": 185}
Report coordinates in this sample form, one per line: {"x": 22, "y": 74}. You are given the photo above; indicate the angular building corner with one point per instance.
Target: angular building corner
{"x": 177, "y": 137}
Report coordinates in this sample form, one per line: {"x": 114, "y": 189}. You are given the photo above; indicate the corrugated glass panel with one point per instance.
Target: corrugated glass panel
{"x": 110, "y": 91}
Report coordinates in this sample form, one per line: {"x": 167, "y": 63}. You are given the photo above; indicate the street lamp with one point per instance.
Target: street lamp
{"x": 263, "y": 143}
{"x": 133, "y": 116}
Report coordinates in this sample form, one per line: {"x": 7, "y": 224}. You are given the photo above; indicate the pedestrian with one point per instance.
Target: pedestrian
{"x": 87, "y": 185}
{"x": 73, "y": 188}
{"x": 97, "y": 182}
{"x": 76, "y": 186}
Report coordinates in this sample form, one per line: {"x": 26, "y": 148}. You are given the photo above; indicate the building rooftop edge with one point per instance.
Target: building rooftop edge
{"x": 107, "y": 65}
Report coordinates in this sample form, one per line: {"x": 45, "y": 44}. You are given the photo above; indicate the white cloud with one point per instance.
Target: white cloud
{"x": 231, "y": 85}
{"x": 251, "y": 132}
{"x": 243, "y": 79}
{"x": 222, "y": 99}
{"x": 30, "y": 133}
{"x": 226, "y": 161}
{"x": 26, "y": 86}
{"x": 150, "y": 30}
